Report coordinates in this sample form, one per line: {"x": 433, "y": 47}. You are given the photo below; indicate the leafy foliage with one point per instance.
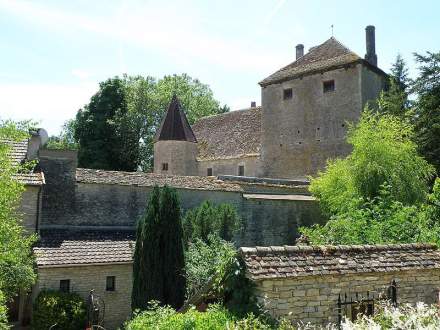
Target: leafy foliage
{"x": 158, "y": 267}
{"x": 222, "y": 220}
{"x": 216, "y": 318}
{"x": 427, "y": 107}
{"x": 16, "y": 261}
{"x": 67, "y": 310}
{"x": 103, "y": 132}
{"x": 66, "y": 139}
{"x": 3, "y": 312}
{"x": 421, "y": 316}
{"x": 383, "y": 154}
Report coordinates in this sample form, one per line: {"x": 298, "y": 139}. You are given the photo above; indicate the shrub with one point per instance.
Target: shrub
{"x": 67, "y": 310}
{"x": 3, "y": 312}
{"x": 206, "y": 219}
{"x": 420, "y": 316}
{"x": 215, "y": 318}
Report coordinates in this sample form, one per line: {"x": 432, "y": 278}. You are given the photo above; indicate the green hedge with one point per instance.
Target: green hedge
{"x": 67, "y": 310}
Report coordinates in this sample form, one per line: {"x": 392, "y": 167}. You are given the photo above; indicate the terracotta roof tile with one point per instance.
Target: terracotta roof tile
{"x": 292, "y": 261}
{"x": 329, "y": 55}
{"x": 61, "y": 248}
{"x": 151, "y": 179}
{"x": 229, "y": 135}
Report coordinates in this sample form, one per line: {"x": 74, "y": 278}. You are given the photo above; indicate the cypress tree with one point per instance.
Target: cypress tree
{"x": 158, "y": 265}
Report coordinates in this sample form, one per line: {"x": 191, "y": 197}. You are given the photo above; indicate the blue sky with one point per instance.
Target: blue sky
{"x": 54, "y": 53}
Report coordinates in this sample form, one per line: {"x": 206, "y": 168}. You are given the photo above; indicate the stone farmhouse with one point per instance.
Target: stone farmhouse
{"x": 255, "y": 159}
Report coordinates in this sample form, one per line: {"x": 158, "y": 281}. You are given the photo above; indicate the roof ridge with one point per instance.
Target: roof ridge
{"x": 329, "y": 249}
{"x": 229, "y": 112}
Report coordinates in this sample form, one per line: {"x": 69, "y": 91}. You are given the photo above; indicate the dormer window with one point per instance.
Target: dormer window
{"x": 328, "y": 86}
{"x": 287, "y": 94}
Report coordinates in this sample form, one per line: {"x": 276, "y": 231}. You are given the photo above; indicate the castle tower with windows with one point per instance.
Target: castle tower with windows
{"x": 175, "y": 145}
{"x": 302, "y": 122}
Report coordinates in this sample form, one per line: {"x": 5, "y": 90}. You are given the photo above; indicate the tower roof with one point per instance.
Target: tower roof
{"x": 327, "y": 56}
{"x": 175, "y": 125}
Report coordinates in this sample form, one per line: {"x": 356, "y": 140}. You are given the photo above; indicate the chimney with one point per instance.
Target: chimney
{"x": 36, "y": 141}
{"x": 371, "y": 56}
{"x": 299, "y": 51}
{"x": 253, "y": 104}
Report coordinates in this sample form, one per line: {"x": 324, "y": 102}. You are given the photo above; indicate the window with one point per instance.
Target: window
{"x": 164, "y": 166}
{"x": 110, "y": 283}
{"x": 65, "y": 285}
{"x": 209, "y": 171}
{"x": 287, "y": 94}
{"x": 241, "y": 170}
{"x": 328, "y": 86}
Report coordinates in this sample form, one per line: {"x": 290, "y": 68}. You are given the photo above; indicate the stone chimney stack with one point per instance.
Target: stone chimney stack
{"x": 299, "y": 51}
{"x": 253, "y": 104}
{"x": 371, "y": 56}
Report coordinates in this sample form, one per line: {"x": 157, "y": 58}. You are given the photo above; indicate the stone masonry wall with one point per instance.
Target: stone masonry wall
{"x": 84, "y": 278}
{"x": 29, "y": 207}
{"x": 314, "y": 298}
{"x": 266, "y": 221}
{"x": 229, "y": 166}
{"x": 179, "y": 155}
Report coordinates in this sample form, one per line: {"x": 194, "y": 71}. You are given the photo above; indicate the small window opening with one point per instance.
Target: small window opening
{"x": 287, "y": 94}
{"x": 329, "y": 86}
{"x": 241, "y": 170}
{"x": 299, "y": 132}
{"x": 209, "y": 171}
{"x": 164, "y": 166}
{"x": 317, "y": 128}
{"x": 110, "y": 283}
{"x": 65, "y": 286}
{"x": 343, "y": 125}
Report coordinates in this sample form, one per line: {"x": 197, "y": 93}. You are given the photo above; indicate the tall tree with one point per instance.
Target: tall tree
{"x": 103, "y": 130}
{"x": 16, "y": 261}
{"x": 158, "y": 266}
{"x": 427, "y": 108}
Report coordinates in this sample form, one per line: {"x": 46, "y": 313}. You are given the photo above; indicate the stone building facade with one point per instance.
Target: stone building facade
{"x": 305, "y": 283}
{"x": 303, "y": 120}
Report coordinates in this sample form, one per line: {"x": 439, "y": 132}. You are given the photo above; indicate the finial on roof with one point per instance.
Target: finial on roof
{"x": 175, "y": 125}
{"x": 332, "y": 30}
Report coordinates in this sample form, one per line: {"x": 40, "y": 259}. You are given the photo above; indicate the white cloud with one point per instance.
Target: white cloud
{"x": 168, "y": 29}
{"x": 81, "y": 74}
{"x": 52, "y": 105}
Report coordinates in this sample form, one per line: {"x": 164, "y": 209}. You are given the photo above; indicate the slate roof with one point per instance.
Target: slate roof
{"x": 175, "y": 125}
{"x": 328, "y": 56}
{"x": 61, "y": 248}
{"x": 152, "y": 179}
{"x": 229, "y": 135}
{"x": 277, "y": 262}
{"x": 17, "y": 155}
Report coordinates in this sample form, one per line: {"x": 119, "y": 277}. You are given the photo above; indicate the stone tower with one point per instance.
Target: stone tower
{"x": 175, "y": 145}
{"x": 307, "y": 104}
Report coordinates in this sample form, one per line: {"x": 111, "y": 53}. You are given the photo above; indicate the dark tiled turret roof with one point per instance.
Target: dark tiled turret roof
{"x": 292, "y": 261}
{"x": 175, "y": 125}
{"x": 229, "y": 135}
{"x": 327, "y": 56}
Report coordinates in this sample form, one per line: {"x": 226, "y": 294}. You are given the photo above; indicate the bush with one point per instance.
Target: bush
{"x": 404, "y": 317}
{"x": 67, "y": 310}
{"x": 206, "y": 219}
{"x": 216, "y": 318}
{"x": 3, "y": 312}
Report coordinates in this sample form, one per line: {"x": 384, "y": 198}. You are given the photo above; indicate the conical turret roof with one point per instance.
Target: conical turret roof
{"x": 175, "y": 125}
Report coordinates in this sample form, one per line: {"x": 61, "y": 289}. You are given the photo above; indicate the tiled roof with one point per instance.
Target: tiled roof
{"x": 329, "y": 55}
{"x": 175, "y": 125}
{"x": 17, "y": 155}
{"x": 151, "y": 179}
{"x": 61, "y": 248}
{"x": 294, "y": 261}
{"x": 229, "y": 135}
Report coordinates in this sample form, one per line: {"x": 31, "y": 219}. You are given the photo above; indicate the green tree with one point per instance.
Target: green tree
{"x": 158, "y": 267}
{"x": 103, "y": 130}
{"x": 221, "y": 220}
{"x": 66, "y": 138}
{"x": 427, "y": 107}
{"x": 383, "y": 154}
{"x": 16, "y": 261}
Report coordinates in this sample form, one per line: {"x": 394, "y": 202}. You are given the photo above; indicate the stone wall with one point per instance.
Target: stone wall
{"x": 179, "y": 155}
{"x": 30, "y": 207}
{"x": 314, "y": 298}
{"x": 229, "y": 166}
{"x": 267, "y": 221}
{"x": 84, "y": 278}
